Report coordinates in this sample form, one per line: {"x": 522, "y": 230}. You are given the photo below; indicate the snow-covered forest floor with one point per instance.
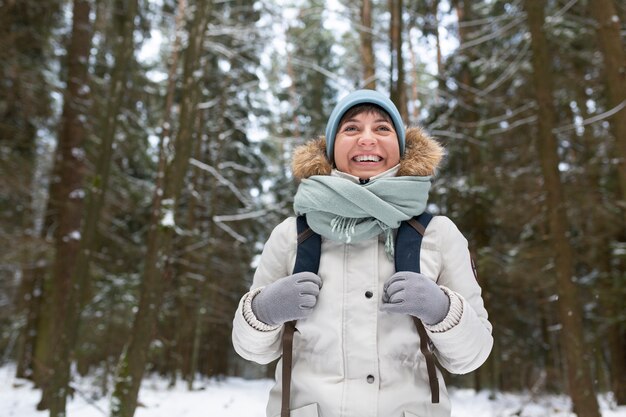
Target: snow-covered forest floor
{"x": 236, "y": 397}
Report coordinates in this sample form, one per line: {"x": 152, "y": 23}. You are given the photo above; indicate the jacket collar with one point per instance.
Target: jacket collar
{"x": 421, "y": 157}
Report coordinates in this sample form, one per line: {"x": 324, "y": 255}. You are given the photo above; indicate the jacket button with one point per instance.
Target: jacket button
{"x": 368, "y": 294}
{"x": 370, "y": 379}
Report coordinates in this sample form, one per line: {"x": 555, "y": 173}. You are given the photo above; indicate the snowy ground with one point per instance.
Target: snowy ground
{"x": 236, "y": 397}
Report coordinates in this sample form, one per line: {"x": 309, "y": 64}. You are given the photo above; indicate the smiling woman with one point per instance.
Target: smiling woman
{"x": 355, "y": 349}
{"x": 367, "y": 143}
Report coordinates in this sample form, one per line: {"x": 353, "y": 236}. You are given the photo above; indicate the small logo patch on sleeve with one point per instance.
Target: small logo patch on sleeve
{"x": 474, "y": 268}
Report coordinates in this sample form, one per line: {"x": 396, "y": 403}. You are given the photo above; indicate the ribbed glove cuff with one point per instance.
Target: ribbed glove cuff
{"x": 454, "y": 314}
{"x": 248, "y": 314}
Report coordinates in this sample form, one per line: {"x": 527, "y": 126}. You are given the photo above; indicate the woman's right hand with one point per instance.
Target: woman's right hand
{"x": 289, "y": 298}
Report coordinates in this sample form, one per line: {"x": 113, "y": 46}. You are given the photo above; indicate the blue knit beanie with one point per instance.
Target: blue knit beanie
{"x": 362, "y": 97}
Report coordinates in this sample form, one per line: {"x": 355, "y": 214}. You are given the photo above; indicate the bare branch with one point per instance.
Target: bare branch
{"x": 221, "y": 179}
{"x": 237, "y": 167}
{"x": 238, "y": 217}
{"x": 517, "y": 123}
{"x": 591, "y": 120}
{"x": 231, "y": 232}
{"x": 492, "y": 35}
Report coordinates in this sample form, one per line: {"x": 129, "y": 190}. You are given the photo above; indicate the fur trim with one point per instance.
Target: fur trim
{"x": 421, "y": 156}
{"x": 310, "y": 159}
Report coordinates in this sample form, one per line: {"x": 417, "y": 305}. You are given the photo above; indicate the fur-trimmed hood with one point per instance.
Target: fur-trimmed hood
{"x": 421, "y": 157}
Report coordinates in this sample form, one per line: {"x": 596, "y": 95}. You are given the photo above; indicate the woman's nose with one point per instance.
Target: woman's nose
{"x": 367, "y": 138}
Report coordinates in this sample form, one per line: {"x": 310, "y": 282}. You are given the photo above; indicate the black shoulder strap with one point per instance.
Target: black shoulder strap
{"x": 407, "y": 258}
{"x": 409, "y": 242}
{"x": 309, "y": 248}
{"x": 307, "y": 260}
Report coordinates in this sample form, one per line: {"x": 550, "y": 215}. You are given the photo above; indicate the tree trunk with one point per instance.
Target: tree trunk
{"x": 397, "y": 87}
{"x": 415, "y": 82}
{"x": 42, "y": 300}
{"x": 69, "y": 199}
{"x": 30, "y": 299}
{"x": 478, "y": 204}
{"x": 200, "y": 286}
{"x": 600, "y": 253}
{"x": 611, "y": 287}
{"x": 25, "y": 32}
{"x": 577, "y": 357}
{"x": 42, "y": 349}
{"x": 470, "y": 117}
{"x": 610, "y": 42}
{"x": 95, "y": 200}
{"x": 367, "y": 48}
{"x": 133, "y": 362}
{"x": 293, "y": 98}
{"x": 215, "y": 362}
{"x": 125, "y": 14}
{"x": 441, "y": 80}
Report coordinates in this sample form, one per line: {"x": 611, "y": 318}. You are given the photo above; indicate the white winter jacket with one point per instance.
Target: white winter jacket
{"x": 349, "y": 358}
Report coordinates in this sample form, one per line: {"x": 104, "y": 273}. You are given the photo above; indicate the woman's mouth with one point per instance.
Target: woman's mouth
{"x": 367, "y": 158}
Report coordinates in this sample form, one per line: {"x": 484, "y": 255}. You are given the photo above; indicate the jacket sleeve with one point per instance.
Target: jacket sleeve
{"x": 466, "y": 346}
{"x": 275, "y": 263}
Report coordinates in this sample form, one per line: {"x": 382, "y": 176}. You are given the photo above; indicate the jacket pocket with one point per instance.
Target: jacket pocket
{"x": 408, "y": 414}
{"x": 310, "y": 410}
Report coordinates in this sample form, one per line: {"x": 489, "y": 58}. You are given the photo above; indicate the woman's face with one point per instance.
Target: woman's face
{"x": 366, "y": 145}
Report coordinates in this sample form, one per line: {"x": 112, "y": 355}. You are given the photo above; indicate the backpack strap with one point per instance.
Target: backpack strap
{"x": 409, "y": 242}
{"x": 309, "y": 248}
{"x": 288, "y": 332}
{"x": 307, "y": 260}
{"x": 407, "y": 248}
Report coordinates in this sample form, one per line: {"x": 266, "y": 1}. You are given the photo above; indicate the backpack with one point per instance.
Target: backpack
{"x": 407, "y": 258}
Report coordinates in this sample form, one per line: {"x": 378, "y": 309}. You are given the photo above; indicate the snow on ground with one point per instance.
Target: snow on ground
{"x": 236, "y": 397}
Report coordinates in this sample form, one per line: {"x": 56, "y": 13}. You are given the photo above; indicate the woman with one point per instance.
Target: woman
{"x": 356, "y": 349}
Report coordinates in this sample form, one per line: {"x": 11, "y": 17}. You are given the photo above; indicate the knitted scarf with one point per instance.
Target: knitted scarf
{"x": 340, "y": 209}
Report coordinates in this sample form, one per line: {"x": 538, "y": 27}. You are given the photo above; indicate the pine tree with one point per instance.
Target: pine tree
{"x": 69, "y": 200}
{"x": 26, "y": 29}
{"x": 397, "y": 89}
{"x": 173, "y": 164}
{"x": 579, "y": 377}
{"x": 367, "y": 45}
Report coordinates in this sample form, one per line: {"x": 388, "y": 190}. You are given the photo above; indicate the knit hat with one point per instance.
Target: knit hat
{"x": 362, "y": 97}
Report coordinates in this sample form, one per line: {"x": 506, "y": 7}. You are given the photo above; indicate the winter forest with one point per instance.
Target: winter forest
{"x": 145, "y": 151}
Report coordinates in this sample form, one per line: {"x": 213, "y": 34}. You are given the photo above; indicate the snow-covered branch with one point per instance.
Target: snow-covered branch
{"x": 591, "y": 120}
{"x": 240, "y": 216}
{"x": 231, "y": 232}
{"x": 221, "y": 179}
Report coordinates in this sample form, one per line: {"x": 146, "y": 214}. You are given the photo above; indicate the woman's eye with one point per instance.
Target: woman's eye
{"x": 349, "y": 128}
{"x": 384, "y": 128}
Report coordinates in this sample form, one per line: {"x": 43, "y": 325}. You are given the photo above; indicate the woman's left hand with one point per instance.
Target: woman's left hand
{"x": 415, "y": 294}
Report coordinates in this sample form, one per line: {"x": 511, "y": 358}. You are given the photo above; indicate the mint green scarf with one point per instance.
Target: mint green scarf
{"x": 342, "y": 210}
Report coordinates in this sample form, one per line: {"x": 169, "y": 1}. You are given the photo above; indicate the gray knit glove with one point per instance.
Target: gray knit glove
{"x": 289, "y": 298}
{"x": 412, "y": 293}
